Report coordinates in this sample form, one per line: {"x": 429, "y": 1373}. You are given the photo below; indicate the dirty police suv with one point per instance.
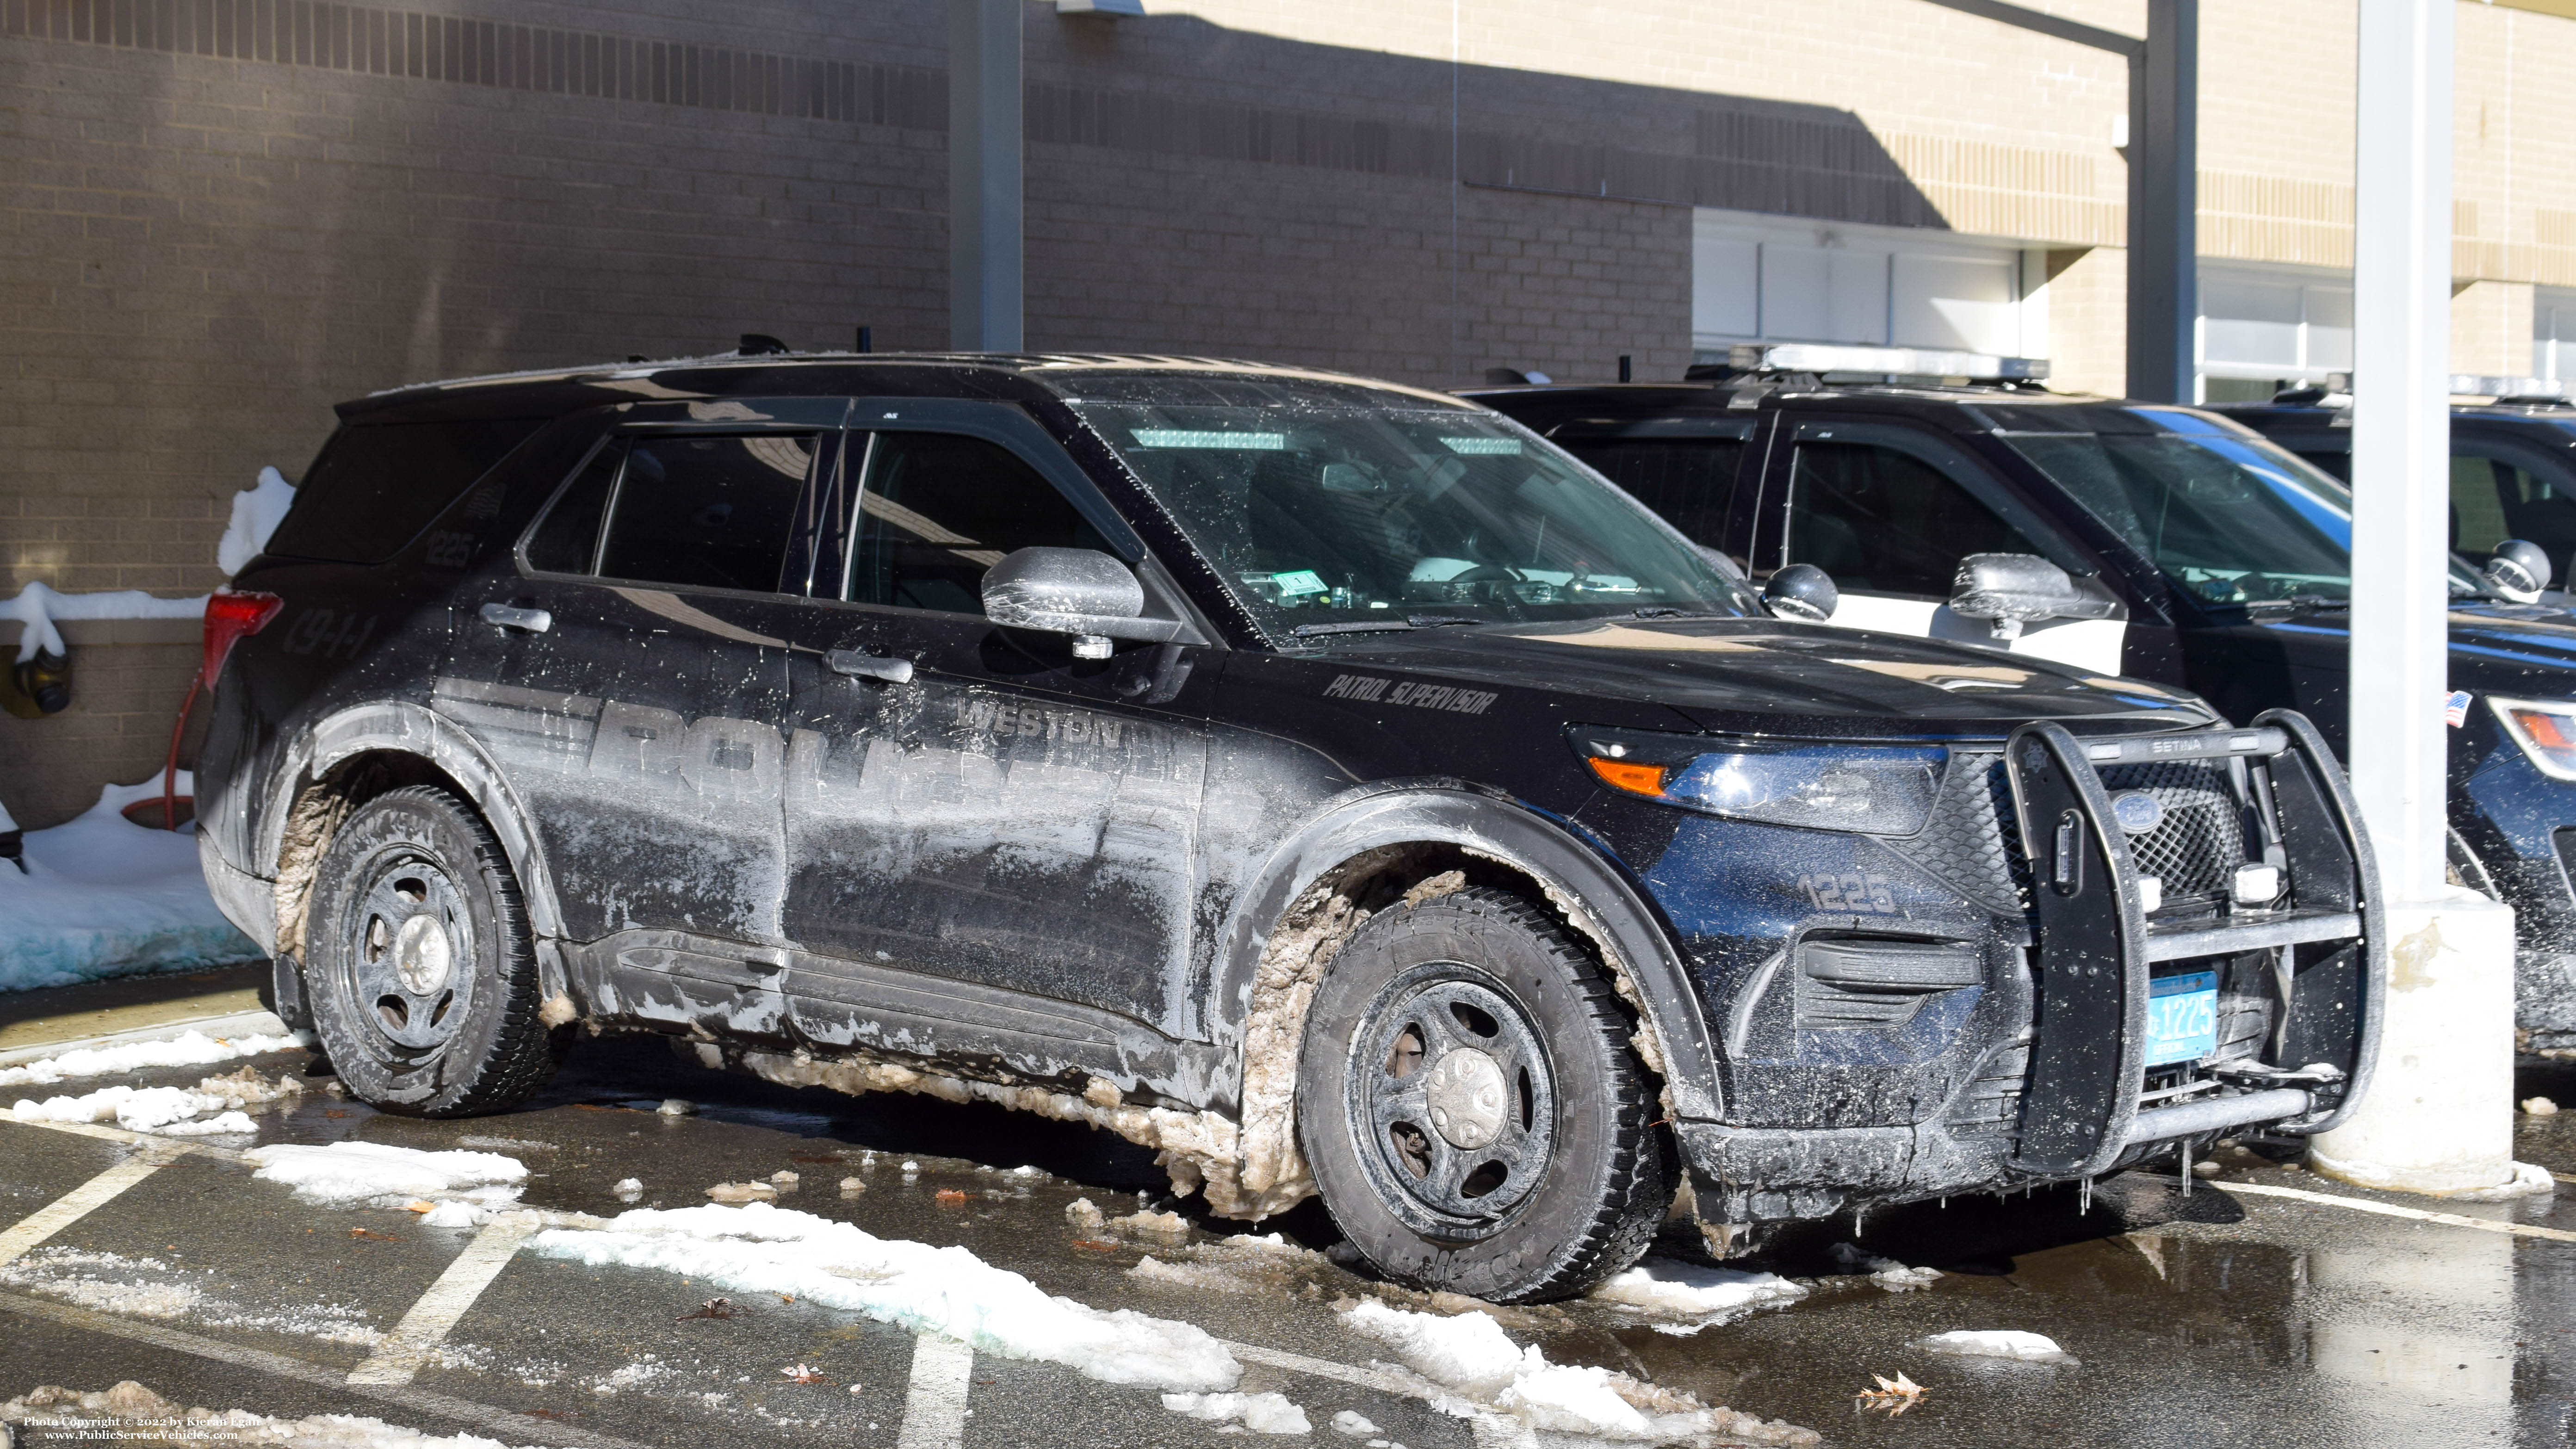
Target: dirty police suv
{"x": 1328, "y": 784}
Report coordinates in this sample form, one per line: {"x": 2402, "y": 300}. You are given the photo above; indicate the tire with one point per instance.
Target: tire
{"x": 1526, "y": 1165}
{"x": 419, "y": 968}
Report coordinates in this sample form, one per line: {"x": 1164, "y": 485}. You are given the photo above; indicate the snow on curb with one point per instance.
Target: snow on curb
{"x": 188, "y": 1049}
{"x": 761, "y": 1248}
{"x": 381, "y": 1176}
{"x": 2009, "y": 1343}
{"x": 102, "y": 896}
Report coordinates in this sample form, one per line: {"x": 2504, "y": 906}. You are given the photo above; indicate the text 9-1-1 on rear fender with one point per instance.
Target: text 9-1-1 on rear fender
{"x": 2095, "y": 949}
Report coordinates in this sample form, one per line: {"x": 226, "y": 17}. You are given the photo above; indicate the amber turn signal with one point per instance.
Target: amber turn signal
{"x": 1628, "y": 775}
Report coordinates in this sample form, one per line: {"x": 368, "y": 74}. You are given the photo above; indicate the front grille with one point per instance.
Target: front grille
{"x": 2197, "y": 849}
{"x": 1972, "y": 840}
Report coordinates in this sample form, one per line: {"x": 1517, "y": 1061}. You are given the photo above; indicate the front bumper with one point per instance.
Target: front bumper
{"x": 2065, "y": 1092}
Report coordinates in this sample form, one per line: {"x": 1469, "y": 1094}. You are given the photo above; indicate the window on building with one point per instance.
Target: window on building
{"x": 2264, "y": 329}
{"x": 1765, "y": 280}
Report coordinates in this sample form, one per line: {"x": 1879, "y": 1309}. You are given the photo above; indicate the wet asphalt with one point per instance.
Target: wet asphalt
{"x": 2201, "y": 1320}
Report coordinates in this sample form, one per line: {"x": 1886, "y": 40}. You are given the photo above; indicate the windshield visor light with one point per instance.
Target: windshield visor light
{"x": 1863, "y": 789}
{"x": 2546, "y": 731}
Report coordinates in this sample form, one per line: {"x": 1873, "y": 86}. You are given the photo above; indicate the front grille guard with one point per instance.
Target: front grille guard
{"x": 2096, "y": 951}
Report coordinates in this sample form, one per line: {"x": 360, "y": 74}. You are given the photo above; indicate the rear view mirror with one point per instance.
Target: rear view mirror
{"x": 2519, "y": 570}
{"x": 1801, "y": 591}
{"x": 1078, "y": 591}
{"x": 2013, "y": 589}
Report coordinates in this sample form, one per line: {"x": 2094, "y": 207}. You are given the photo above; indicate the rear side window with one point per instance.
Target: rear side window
{"x": 373, "y": 489}
{"x": 1688, "y": 482}
{"x": 937, "y": 510}
{"x": 706, "y": 512}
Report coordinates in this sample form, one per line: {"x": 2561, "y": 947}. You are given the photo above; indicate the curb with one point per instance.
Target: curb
{"x": 239, "y": 1023}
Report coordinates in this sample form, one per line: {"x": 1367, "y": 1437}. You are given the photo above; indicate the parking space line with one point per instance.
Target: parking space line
{"x": 1384, "y": 1383}
{"x": 74, "y": 1205}
{"x": 516, "y": 1428}
{"x": 136, "y": 1139}
{"x": 2388, "y": 1209}
{"x": 398, "y": 1358}
{"x": 934, "y": 1407}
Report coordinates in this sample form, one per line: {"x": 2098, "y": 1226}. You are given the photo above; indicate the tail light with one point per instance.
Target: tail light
{"x": 231, "y": 616}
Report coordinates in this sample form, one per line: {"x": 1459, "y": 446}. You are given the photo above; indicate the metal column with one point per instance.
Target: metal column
{"x": 2164, "y": 204}
{"x": 984, "y": 175}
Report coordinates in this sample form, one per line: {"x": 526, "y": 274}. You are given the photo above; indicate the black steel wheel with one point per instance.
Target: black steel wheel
{"x": 418, "y": 962}
{"x": 1471, "y": 1108}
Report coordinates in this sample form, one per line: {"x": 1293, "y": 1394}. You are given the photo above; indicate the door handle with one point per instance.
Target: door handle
{"x": 869, "y": 666}
{"x": 535, "y": 621}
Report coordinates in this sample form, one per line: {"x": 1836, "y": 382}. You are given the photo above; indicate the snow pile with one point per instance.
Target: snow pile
{"x": 1471, "y": 1355}
{"x": 372, "y": 1173}
{"x": 760, "y": 1248}
{"x": 79, "y": 1415}
{"x": 189, "y": 1049}
{"x": 168, "y": 1110}
{"x": 1997, "y": 1343}
{"x": 1260, "y": 1413}
{"x": 1667, "y": 1285}
{"x": 2528, "y": 1180}
{"x": 103, "y": 896}
{"x": 257, "y": 511}
{"x": 37, "y": 607}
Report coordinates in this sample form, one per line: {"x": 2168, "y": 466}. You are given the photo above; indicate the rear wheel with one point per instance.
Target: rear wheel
{"x": 419, "y": 967}
{"x": 1471, "y": 1108}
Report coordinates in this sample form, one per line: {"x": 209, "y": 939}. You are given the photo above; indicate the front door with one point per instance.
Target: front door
{"x": 1889, "y": 511}
{"x": 976, "y": 804}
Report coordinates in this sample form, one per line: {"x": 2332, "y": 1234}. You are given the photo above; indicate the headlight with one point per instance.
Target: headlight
{"x": 2546, "y": 730}
{"x": 1867, "y": 789}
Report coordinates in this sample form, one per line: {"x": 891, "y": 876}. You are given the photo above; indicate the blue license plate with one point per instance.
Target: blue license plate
{"x": 2182, "y": 1017}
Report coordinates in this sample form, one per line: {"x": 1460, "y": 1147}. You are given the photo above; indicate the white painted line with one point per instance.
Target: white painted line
{"x": 1501, "y": 1431}
{"x": 74, "y": 1205}
{"x": 426, "y": 1325}
{"x": 229, "y": 1024}
{"x": 105, "y": 1133}
{"x": 514, "y": 1428}
{"x": 2390, "y": 1209}
{"x": 1366, "y": 1378}
{"x": 934, "y": 1408}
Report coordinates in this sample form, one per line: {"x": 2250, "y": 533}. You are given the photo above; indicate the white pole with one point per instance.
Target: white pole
{"x": 2439, "y": 1117}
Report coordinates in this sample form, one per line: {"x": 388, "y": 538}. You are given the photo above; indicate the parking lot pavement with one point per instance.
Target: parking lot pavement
{"x": 2223, "y": 1317}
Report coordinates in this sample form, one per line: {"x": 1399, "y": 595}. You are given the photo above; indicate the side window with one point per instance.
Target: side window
{"x": 1689, "y": 483}
{"x": 703, "y": 512}
{"x": 936, "y": 510}
{"x": 374, "y": 488}
{"x": 2495, "y": 497}
{"x": 1884, "y": 521}
{"x": 566, "y": 540}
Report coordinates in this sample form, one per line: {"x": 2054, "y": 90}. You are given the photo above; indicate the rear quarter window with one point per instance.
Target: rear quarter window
{"x": 372, "y": 489}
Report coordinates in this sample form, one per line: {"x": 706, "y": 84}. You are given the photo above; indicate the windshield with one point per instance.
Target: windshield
{"x": 2234, "y": 520}
{"x": 1330, "y": 513}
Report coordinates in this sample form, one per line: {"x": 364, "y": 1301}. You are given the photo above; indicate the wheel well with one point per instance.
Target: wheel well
{"x": 1301, "y": 947}
{"x": 321, "y": 805}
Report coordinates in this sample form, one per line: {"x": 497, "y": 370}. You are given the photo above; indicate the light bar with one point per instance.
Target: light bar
{"x": 1886, "y": 361}
{"x": 2464, "y": 384}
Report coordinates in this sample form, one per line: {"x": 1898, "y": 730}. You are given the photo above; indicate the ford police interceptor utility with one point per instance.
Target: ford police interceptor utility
{"x": 1329, "y": 784}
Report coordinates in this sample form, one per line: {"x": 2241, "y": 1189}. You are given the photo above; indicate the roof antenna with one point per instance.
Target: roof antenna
{"x": 760, "y": 344}
{"x": 867, "y": 341}
{"x": 1626, "y": 371}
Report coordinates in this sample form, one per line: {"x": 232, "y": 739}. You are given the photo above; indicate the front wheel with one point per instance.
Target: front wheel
{"x": 419, "y": 966}
{"x": 1471, "y": 1108}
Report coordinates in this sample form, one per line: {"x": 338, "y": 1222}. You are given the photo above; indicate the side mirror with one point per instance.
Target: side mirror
{"x": 2012, "y": 589}
{"x": 1078, "y": 591}
{"x": 2519, "y": 570}
{"x": 1801, "y": 591}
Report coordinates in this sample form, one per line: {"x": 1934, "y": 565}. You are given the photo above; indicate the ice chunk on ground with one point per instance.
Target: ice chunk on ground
{"x": 2528, "y": 1180}
{"x": 1204, "y": 1277}
{"x": 1354, "y": 1424}
{"x": 761, "y": 1248}
{"x": 1997, "y": 1343}
{"x": 188, "y": 1049}
{"x": 1083, "y": 1215}
{"x": 355, "y": 1172}
{"x": 629, "y": 1187}
{"x": 1260, "y": 1413}
{"x": 1887, "y": 1273}
{"x": 81, "y": 1414}
{"x": 454, "y": 1214}
{"x": 102, "y": 896}
{"x": 1667, "y": 1285}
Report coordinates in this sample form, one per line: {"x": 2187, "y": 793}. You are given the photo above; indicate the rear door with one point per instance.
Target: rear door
{"x": 1888, "y": 511}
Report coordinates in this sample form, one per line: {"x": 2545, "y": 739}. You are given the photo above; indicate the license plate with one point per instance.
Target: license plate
{"x": 2182, "y": 1017}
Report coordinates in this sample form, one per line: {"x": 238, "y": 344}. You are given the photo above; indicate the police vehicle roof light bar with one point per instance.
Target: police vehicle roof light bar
{"x": 1817, "y": 357}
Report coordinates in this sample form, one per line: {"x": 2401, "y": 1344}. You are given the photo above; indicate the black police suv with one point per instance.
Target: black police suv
{"x": 2180, "y": 546}
{"x": 1332, "y": 785}
{"x": 2513, "y": 463}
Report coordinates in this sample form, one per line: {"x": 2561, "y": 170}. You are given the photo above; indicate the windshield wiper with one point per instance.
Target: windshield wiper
{"x": 2299, "y": 606}
{"x": 1393, "y": 625}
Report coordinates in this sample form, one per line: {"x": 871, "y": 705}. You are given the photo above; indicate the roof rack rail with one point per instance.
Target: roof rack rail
{"x": 1821, "y": 358}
